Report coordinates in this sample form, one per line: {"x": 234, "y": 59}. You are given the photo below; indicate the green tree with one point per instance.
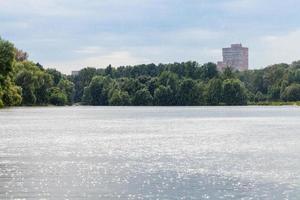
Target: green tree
{"x": 81, "y": 81}
{"x": 130, "y": 85}
{"x": 10, "y": 94}
{"x": 98, "y": 90}
{"x": 234, "y": 92}
{"x": 142, "y": 98}
{"x": 190, "y": 93}
{"x": 68, "y": 89}
{"x": 259, "y": 97}
{"x": 214, "y": 92}
{"x": 26, "y": 80}
{"x": 43, "y": 81}
{"x": 57, "y": 97}
{"x": 119, "y": 98}
{"x": 209, "y": 71}
{"x": 163, "y": 96}
{"x": 228, "y": 73}
{"x": 56, "y": 75}
{"x": 292, "y": 93}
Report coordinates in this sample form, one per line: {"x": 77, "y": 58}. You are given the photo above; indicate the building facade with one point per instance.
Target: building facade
{"x": 75, "y": 73}
{"x": 236, "y": 57}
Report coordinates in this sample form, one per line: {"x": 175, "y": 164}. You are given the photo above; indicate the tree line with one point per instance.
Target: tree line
{"x": 23, "y": 82}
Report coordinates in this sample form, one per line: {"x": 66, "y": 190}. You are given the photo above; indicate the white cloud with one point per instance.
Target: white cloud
{"x": 279, "y": 48}
{"x": 117, "y": 58}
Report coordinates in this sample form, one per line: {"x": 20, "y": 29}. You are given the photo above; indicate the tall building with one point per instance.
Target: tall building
{"x": 236, "y": 57}
{"x": 75, "y": 73}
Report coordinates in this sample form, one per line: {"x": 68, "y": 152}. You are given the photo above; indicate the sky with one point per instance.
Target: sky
{"x": 73, "y": 34}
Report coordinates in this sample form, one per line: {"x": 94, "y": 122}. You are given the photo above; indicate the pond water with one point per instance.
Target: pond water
{"x": 150, "y": 153}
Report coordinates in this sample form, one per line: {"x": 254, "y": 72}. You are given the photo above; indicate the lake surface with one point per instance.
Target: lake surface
{"x": 150, "y": 153}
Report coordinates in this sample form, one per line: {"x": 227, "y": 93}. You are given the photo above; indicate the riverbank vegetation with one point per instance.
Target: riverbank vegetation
{"x": 23, "y": 82}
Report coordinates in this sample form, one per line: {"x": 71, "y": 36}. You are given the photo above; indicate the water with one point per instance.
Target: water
{"x": 150, "y": 153}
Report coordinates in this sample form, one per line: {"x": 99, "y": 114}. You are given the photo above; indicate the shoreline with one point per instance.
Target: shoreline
{"x": 259, "y": 104}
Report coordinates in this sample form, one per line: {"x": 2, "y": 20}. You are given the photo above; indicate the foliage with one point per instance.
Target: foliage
{"x": 190, "y": 93}
{"x": 163, "y": 96}
{"x": 57, "y": 97}
{"x": 214, "y": 92}
{"x": 97, "y": 91}
{"x": 68, "y": 88}
{"x": 292, "y": 93}
{"x": 234, "y": 92}
{"x": 10, "y": 94}
{"x": 119, "y": 98}
{"x": 23, "y": 82}
{"x": 142, "y": 98}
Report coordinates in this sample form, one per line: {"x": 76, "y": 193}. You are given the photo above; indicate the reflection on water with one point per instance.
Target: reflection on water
{"x": 150, "y": 153}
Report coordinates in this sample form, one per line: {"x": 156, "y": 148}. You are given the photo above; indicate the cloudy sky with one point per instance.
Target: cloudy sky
{"x": 71, "y": 34}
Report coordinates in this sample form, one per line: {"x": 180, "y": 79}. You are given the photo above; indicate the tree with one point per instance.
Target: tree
{"x": 81, "y": 81}
{"x": 26, "y": 80}
{"x": 119, "y": 98}
{"x": 228, "y": 73}
{"x": 57, "y": 97}
{"x": 34, "y": 82}
{"x": 209, "y": 71}
{"x": 274, "y": 92}
{"x": 142, "y": 98}
{"x": 190, "y": 93}
{"x": 130, "y": 85}
{"x": 163, "y": 96}
{"x": 21, "y": 55}
{"x": 10, "y": 94}
{"x": 43, "y": 81}
{"x": 7, "y": 56}
{"x": 292, "y": 93}
{"x": 109, "y": 71}
{"x": 98, "y": 90}
{"x": 68, "y": 89}
{"x": 56, "y": 75}
{"x": 169, "y": 79}
{"x": 234, "y": 92}
{"x": 214, "y": 92}
{"x": 259, "y": 97}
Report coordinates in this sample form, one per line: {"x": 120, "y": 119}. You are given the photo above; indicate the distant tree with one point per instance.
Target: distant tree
{"x": 228, "y": 73}
{"x": 21, "y": 55}
{"x": 190, "y": 93}
{"x": 83, "y": 80}
{"x": 10, "y": 94}
{"x": 214, "y": 92}
{"x": 292, "y": 93}
{"x": 259, "y": 97}
{"x": 163, "y": 96}
{"x": 98, "y": 90}
{"x": 27, "y": 81}
{"x": 42, "y": 82}
{"x": 142, "y": 98}
{"x": 234, "y": 92}
{"x": 274, "y": 93}
{"x": 109, "y": 71}
{"x": 152, "y": 84}
{"x": 119, "y": 98}
{"x": 209, "y": 71}
{"x": 68, "y": 88}
{"x": 169, "y": 79}
{"x": 130, "y": 85}
{"x": 56, "y": 75}
{"x": 57, "y": 97}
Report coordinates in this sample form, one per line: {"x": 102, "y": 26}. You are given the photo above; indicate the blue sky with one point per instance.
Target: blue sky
{"x": 72, "y": 34}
